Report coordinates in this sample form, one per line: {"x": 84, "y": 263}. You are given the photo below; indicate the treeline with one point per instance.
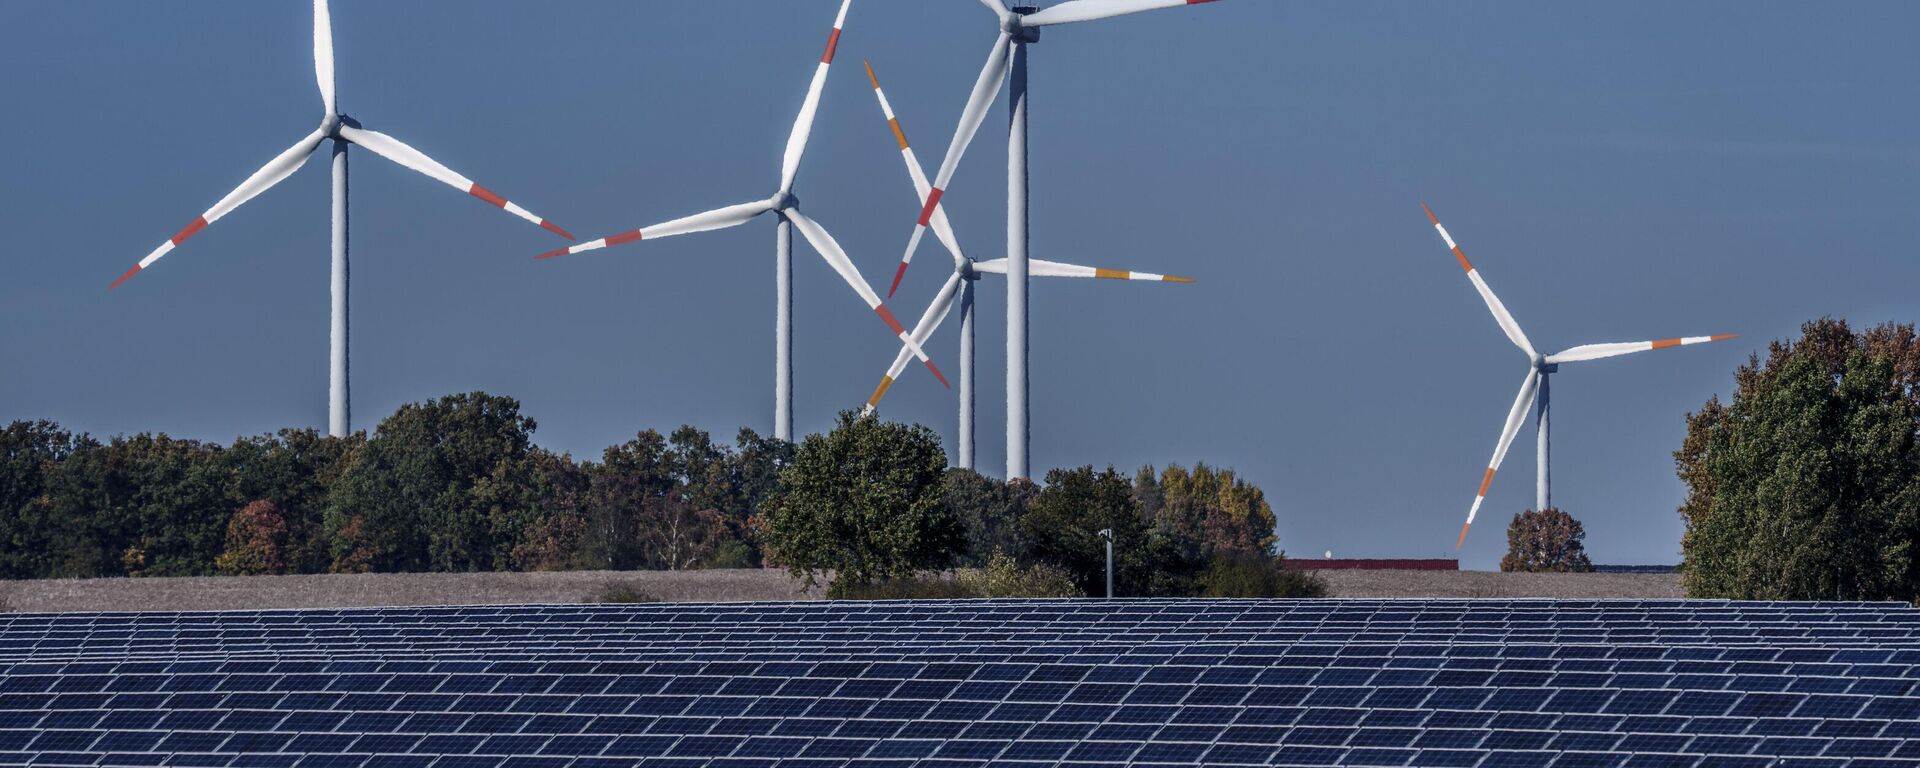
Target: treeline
{"x": 454, "y": 484}
{"x": 871, "y": 507}
{"x": 457, "y": 484}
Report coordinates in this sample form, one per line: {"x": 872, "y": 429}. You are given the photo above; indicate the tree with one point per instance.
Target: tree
{"x": 627, "y": 476}
{"x": 1546, "y": 541}
{"x": 31, "y": 456}
{"x": 256, "y": 541}
{"x": 167, "y": 504}
{"x": 551, "y": 540}
{"x": 293, "y": 469}
{"x": 431, "y": 489}
{"x": 1225, "y": 514}
{"x": 989, "y": 510}
{"x": 1062, "y": 527}
{"x": 1806, "y": 485}
{"x": 863, "y": 502}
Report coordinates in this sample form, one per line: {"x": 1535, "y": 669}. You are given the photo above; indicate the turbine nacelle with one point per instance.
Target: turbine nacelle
{"x": 1013, "y": 22}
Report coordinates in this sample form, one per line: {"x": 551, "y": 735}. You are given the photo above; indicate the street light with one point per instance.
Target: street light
{"x": 1107, "y": 533}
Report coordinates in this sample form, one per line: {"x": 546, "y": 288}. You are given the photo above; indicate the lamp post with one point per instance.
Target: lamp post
{"x": 1107, "y": 533}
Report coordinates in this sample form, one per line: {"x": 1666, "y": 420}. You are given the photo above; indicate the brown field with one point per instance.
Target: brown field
{"x": 1493, "y": 584}
{"x": 338, "y": 591}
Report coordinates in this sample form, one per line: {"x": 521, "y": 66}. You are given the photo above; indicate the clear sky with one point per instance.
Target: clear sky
{"x": 1618, "y": 172}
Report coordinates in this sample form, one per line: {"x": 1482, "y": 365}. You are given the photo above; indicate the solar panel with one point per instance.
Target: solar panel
{"x": 1044, "y": 682}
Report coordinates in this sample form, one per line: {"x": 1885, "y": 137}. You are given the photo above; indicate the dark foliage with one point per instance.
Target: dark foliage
{"x": 1807, "y": 484}
{"x": 1546, "y": 541}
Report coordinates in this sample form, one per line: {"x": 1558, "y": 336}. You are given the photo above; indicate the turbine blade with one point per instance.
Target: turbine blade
{"x": 276, "y": 170}
{"x": 998, "y": 8}
{"x": 830, "y": 250}
{"x": 718, "y": 218}
{"x": 398, "y": 151}
{"x": 930, "y": 321}
{"x": 1088, "y": 10}
{"x": 1597, "y": 351}
{"x": 803, "y": 123}
{"x": 1499, "y": 310}
{"x": 985, "y": 89}
{"x": 1522, "y": 403}
{"x": 1042, "y": 268}
{"x": 323, "y": 54}
{"x": 942, "y": 229}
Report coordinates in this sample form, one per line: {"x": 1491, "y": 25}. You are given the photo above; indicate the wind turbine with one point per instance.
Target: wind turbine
{"x": 1533, "y": 388}
{"x": 1007, "y": 60}
{"x": 786, "y": 207}
{"x": 343, "y": 130}
{"x": 960, "y": 283}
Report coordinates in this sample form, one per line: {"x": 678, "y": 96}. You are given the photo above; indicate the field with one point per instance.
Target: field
{"x": 347, "y": 590}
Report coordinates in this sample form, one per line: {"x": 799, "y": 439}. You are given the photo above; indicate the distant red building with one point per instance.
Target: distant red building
{"x": 1372, "y": 564}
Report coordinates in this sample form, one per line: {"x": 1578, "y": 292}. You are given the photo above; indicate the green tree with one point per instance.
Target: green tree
{"x": 1807, "y": 484}
{"x": 171, "y": 495}
{"x": 863, "y": 503}
{"x": 431, "y": 489}
{"x": 31, "y": 457}
{"x": 1062, "y": 527}
{"x": 1546, "y": 541}
{"x": 989, "y": 510}
{"x": 627, "y": 477}
{"x": 552, "y": 538}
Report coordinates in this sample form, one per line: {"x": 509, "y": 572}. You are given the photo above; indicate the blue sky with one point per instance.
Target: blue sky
{"x": 1618, "y": 173}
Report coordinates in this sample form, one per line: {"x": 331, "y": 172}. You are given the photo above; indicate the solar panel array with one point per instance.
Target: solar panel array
{"x": 971, "y": 683}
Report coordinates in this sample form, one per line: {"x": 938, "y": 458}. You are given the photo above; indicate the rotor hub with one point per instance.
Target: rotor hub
{"x": 782, "y": 201}
{"x": 334, "y": 123}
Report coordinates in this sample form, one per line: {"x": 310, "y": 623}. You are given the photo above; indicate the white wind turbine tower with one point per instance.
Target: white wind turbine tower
{"x": 343, "y": 130}
{"x": 960, "y": 283}
{"x": 1007, "y": 60}
{"x": 1533, "y": 388}
{"x": 786, "y": 207}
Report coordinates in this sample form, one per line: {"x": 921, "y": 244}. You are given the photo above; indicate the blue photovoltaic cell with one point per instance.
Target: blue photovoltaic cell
{"x": 973, "y": 683}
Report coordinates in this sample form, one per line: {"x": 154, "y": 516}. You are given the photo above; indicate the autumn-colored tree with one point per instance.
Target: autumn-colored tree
{"x": 1806, "y": 485}
{"x": 1546, "y": 541}
{"x": 1223, "y": 513}
{"x": 256, "y": 541}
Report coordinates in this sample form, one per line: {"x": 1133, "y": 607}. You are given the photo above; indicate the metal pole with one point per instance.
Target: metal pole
{"x": 339, "y": 413}
{"x": 1107, "y": 533}
{"x": 966, "y": 371}
{"x": 783, "y": 330}
{"x": 1542, "y": 495}
{"x": 1017, "y": 424}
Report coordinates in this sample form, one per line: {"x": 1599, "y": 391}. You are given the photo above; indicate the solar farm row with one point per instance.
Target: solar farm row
{"x": 1363, "y": 683}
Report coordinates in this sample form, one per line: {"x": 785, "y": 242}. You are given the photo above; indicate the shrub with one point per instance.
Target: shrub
{"x": 620, "y": 592}
{"x": 1252, "y": 575}
{"x": 1002, "y": 577}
